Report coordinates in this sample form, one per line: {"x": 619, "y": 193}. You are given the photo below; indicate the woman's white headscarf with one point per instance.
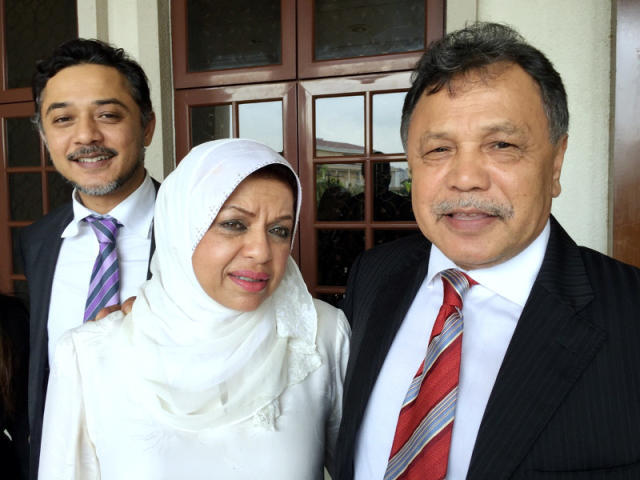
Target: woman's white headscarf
{"x": 204, "y": 365}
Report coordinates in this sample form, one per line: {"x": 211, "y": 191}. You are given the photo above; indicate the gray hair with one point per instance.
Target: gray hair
{"x": 475, "y": 47}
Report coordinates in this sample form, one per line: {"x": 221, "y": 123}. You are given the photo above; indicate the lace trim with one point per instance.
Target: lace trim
{"x": 297, "y": 319}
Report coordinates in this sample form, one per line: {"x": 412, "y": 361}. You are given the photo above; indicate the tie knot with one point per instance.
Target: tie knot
{"x": 105, "y": 228}
{"x": 456, "y": 284}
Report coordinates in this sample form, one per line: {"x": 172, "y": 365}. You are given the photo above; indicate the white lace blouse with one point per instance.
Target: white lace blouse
{"x": 96, "y": 428}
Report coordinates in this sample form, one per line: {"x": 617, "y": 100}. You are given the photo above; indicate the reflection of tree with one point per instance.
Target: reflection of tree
{"x": 406, "y": 184}
{"x": 332, "y": 195}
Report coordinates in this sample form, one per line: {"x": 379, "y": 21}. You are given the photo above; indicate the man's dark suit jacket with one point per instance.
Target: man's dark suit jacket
{"x": 566, "y": 402}
{"x": 40, "y": 244}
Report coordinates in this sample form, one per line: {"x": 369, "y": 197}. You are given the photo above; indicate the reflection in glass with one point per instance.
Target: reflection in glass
{"x": 59, "y": 190}
{"x": 334, "y": 299}
{"x": 210, "y": 122}
{"x": 387, "y": 113}
{"x": 23, "y": 143}
{"x": 384, "y": 236}
{"x": 21, "y": 291}
{"x": 32, "y": 28}
{"x": 262, "y": 121}
{"x": 339, "y": 126}
{"x": 25, "y": 196}
{"x": 338, "y": 187}
{"x": 392, "y": 191}
{"x": 337, "y": 249}
{"x": 15, "y": 250}
{"x": 236, "y": 34}
{"x": 357, "y": 28}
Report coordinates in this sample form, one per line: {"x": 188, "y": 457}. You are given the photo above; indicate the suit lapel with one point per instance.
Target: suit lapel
{"x": 46, "y": 260}
{"x": 551, "y": 346}
{"x": 382, "y": 322}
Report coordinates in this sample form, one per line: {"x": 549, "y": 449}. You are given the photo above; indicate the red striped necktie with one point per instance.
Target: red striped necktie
{"x": 104, "y": 289}
{"x": 423, "y": 434}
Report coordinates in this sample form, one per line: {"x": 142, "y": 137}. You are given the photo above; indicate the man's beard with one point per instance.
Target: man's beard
{"x": 110, "y": 187}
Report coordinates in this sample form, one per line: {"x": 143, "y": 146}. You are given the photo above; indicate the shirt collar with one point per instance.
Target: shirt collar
{"x": 512, "y": 279}
{"x": 135, "y": 212}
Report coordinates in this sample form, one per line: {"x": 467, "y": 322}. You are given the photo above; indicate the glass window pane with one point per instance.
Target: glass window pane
{"x": 211, "y": 122}
{"x": 15, "y": 244}
{"x": 384, "y": 236}
{"x": 387, "y": 114}
{"x": 233, "y": 34}
{"x": 32, "y": 29}
{"x": 59, "y": 190}
{"x": 356, "y": 28}
{"x": 340, "y": 191}
{"x": 25, "y": 196}
{"x": 334, "y": 299}
{"x": 337, "y": 249}
{"x": 339, "y": 126}
{"x": 392, "y": 191}
{"x": 23, "y": 143}
{"x": 262, "y": 121}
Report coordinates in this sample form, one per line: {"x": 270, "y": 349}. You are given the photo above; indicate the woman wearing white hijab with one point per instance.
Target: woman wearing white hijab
{"x": 226, "y": 368}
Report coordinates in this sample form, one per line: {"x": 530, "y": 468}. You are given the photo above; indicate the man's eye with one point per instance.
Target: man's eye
{"x": 109, "y": 115}
{"x": 61, "y": 119}
{"x": 282, "y": 232}
{"x": 439, "y": 150}
{"x": 502, "y": 145}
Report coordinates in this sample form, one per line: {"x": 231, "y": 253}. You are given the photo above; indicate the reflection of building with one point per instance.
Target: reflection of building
{"x": 327, "y": 148}
{"x": 351, "y": 175}
{"x": 348, "y": 175}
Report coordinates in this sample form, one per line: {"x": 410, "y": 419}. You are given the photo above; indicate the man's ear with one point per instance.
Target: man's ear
{"x": 43, "y": 136}
{"x": 149, "y": 129}
{"x": 558, "y": 159}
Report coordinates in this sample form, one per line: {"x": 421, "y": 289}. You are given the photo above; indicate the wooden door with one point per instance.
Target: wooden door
{"x": 626, "y": 153}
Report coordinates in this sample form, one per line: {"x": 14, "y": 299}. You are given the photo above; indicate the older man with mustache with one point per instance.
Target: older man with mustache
{"x": 491, "y": 346}
{"x": 94, "y": 114}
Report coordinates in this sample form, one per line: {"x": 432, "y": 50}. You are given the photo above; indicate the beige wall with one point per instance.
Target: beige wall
{"x": 575, "y": 35}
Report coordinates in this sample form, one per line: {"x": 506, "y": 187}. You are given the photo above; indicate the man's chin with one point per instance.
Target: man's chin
{"x": 97, "y": 190}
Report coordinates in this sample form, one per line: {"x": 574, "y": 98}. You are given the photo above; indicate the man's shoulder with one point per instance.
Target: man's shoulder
{"x": 605, "y": 270}
{"x": 58, "y": 218}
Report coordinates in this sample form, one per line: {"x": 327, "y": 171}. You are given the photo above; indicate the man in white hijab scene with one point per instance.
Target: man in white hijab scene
{"x": 225, "y": 367}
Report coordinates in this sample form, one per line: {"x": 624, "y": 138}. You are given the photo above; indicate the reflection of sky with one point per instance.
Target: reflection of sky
{"x": 341, "y": 119}
{"x": 262, "y": 121}
{"x": 387, "y": 112}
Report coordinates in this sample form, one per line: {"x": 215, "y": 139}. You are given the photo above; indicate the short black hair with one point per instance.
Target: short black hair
{"x": 82, "y": 51}
{"x": 277, "y": 171}
{"x": 476, "y": 47}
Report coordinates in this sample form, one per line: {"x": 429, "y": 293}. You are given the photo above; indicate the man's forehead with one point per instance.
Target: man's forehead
{"x": 87, "y": 84}
{"x": 484, "y": 76}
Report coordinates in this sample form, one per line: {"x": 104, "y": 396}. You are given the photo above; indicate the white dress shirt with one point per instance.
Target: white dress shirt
{"x": 78, "y": 254}
{"x": 490, "y": 311}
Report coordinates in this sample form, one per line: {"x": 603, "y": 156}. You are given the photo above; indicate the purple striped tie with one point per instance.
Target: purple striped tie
{"x": 104, "y": 289}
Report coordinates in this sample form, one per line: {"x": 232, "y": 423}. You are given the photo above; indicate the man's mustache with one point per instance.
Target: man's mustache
{"x": 490, "y": 207}
{"x": 91, "y": 150}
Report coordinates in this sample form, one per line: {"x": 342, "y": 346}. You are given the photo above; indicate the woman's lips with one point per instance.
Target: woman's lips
{"x": 249, "y": 280}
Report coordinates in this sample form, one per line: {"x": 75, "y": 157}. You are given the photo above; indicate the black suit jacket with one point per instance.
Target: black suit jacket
{"x": 40, "y": 245}
{"x": 566, "y": 402}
